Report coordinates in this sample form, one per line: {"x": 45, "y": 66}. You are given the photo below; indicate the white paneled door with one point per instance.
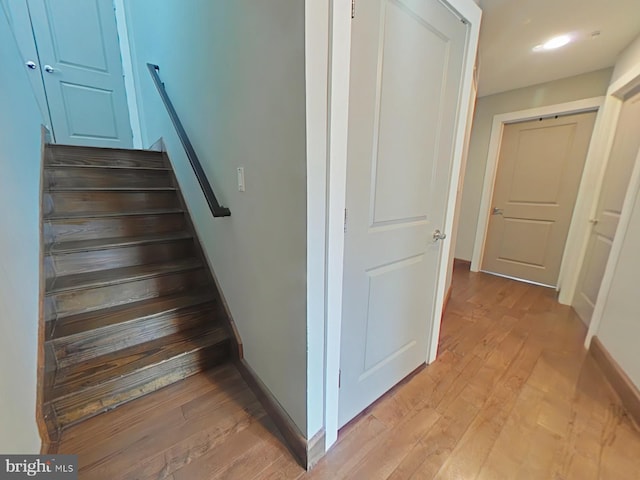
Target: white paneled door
{"x": 406, "y": 72}
{"x": 81, "y": 69}
{"x": 605, "y": 222}
{"x": 539, "y": 172}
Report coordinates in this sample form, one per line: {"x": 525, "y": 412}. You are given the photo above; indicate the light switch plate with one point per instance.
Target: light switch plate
{"x": 241, "y": 185}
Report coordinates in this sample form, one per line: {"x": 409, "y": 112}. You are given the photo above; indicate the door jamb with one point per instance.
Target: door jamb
{"x": 583, "y": 199}
{"x": 614, "y": 100}
{"x": 127, "y": 69}
{"x": 616, "y": 249}
{"x": 337, "y": 124}
{"x": 339, "y": 72}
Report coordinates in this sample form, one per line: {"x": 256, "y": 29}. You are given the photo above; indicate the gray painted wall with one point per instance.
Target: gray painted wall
{"x": 458, "y": 206}
{"x": 235, "y": 72}
{"x": 588, "y": 85}
{"x": 20, "y": 140}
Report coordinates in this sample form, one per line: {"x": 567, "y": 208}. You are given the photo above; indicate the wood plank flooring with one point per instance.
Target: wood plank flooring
{"x": 513, "y": 395}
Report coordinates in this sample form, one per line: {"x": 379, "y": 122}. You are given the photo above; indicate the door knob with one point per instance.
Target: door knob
{"x": 438, "y": 235}
{"x": 49, "y": 69}
{"x": 31, "y": 64}
{"x": 497, "y": 211}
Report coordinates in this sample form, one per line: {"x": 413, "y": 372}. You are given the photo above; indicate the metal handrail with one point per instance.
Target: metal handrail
{"x": 216, "y": 209}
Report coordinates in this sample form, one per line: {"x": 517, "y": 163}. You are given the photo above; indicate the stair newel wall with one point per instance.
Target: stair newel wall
{"x": 236, "y": 344}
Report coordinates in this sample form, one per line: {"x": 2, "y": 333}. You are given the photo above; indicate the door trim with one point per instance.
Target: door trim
{"x": 127, "y": 70}
{"x": 614, "y": 255}
{"x": 339, "y": 72}
{"x": 583, "y": 199}
{"x": 614, "y": 100}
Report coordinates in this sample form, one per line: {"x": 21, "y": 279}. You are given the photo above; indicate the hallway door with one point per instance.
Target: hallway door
{"x": 539, "y": 172}
{"x": 614, "y": 188}
{"x": 406, "y": 71}
{"x": 80, "y": 67}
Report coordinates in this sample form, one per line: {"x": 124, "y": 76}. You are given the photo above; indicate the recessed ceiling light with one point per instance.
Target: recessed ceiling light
{"x": 553, "y": 43}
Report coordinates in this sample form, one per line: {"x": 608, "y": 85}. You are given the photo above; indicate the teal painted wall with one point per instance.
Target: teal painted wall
{"x": 20, "y": 139}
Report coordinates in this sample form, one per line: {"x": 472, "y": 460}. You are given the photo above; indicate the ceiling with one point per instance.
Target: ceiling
{"x": 511, "y": 28}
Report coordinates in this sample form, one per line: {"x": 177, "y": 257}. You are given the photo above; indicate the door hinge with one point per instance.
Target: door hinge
{"x": 353, "y": 8}
{"x": 339, "y": 377}
{"x": 345, "y": 220}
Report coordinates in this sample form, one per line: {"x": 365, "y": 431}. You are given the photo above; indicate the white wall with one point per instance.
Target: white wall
{"x": 588, "y": 85}
{"x": 235, "y": 72}
{"x": 628, "y": 59}
{"x": 618, "y": 325}
{"x": 20, "y": 140}
{"x": 619, "y": 329}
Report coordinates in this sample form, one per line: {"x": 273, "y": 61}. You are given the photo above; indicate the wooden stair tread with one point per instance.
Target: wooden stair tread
{"x": 74, "y": 408}
{"x": 87, "y": 228}
{"x": 111, "y": 189}
{"x": 119, "y": 275}
{"x": 114, "y": 366}
{"x": 72, "y": 302}
{"x": 59, "y": 178}
{"x": 59, "y": 164}
{"x": 130, "y": 305}
{"x": 116, "y": 242}
{"x": 82, "y": 156}
{"x": 80, "y": 215}
{"x": 64, "y": 149}
{"x": 90, "y": 321}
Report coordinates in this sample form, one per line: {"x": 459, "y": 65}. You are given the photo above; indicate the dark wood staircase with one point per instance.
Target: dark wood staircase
{"x": 130, "y": 305}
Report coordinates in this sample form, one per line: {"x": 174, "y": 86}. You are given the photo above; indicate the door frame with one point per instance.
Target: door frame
{"x": 127, "y": 70}
{"x": 339, "y": 74}
{"x": 590, "y": 173}
{"x": 613, "y": 104}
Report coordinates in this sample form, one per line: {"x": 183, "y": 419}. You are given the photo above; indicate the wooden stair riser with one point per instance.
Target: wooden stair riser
{"x": 78, "y": 348}
{"x": 89, "y": 402}
{"x": 76, "y": 229}
{"x": 78, "y": 156}
{"x": 58, "y": 204}
{"x": 95, "y": 260}
{"x": 92, "y": 373}
{"x": 61, "y": 178}
{"x": 83, "y": 300}
{"x": 97, "y": 320}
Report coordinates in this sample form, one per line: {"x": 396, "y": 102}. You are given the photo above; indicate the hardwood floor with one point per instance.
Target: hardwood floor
{"x": 513, "y": 395}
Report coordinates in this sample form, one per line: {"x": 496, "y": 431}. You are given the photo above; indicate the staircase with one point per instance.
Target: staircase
{"x": 130, "y": 305}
